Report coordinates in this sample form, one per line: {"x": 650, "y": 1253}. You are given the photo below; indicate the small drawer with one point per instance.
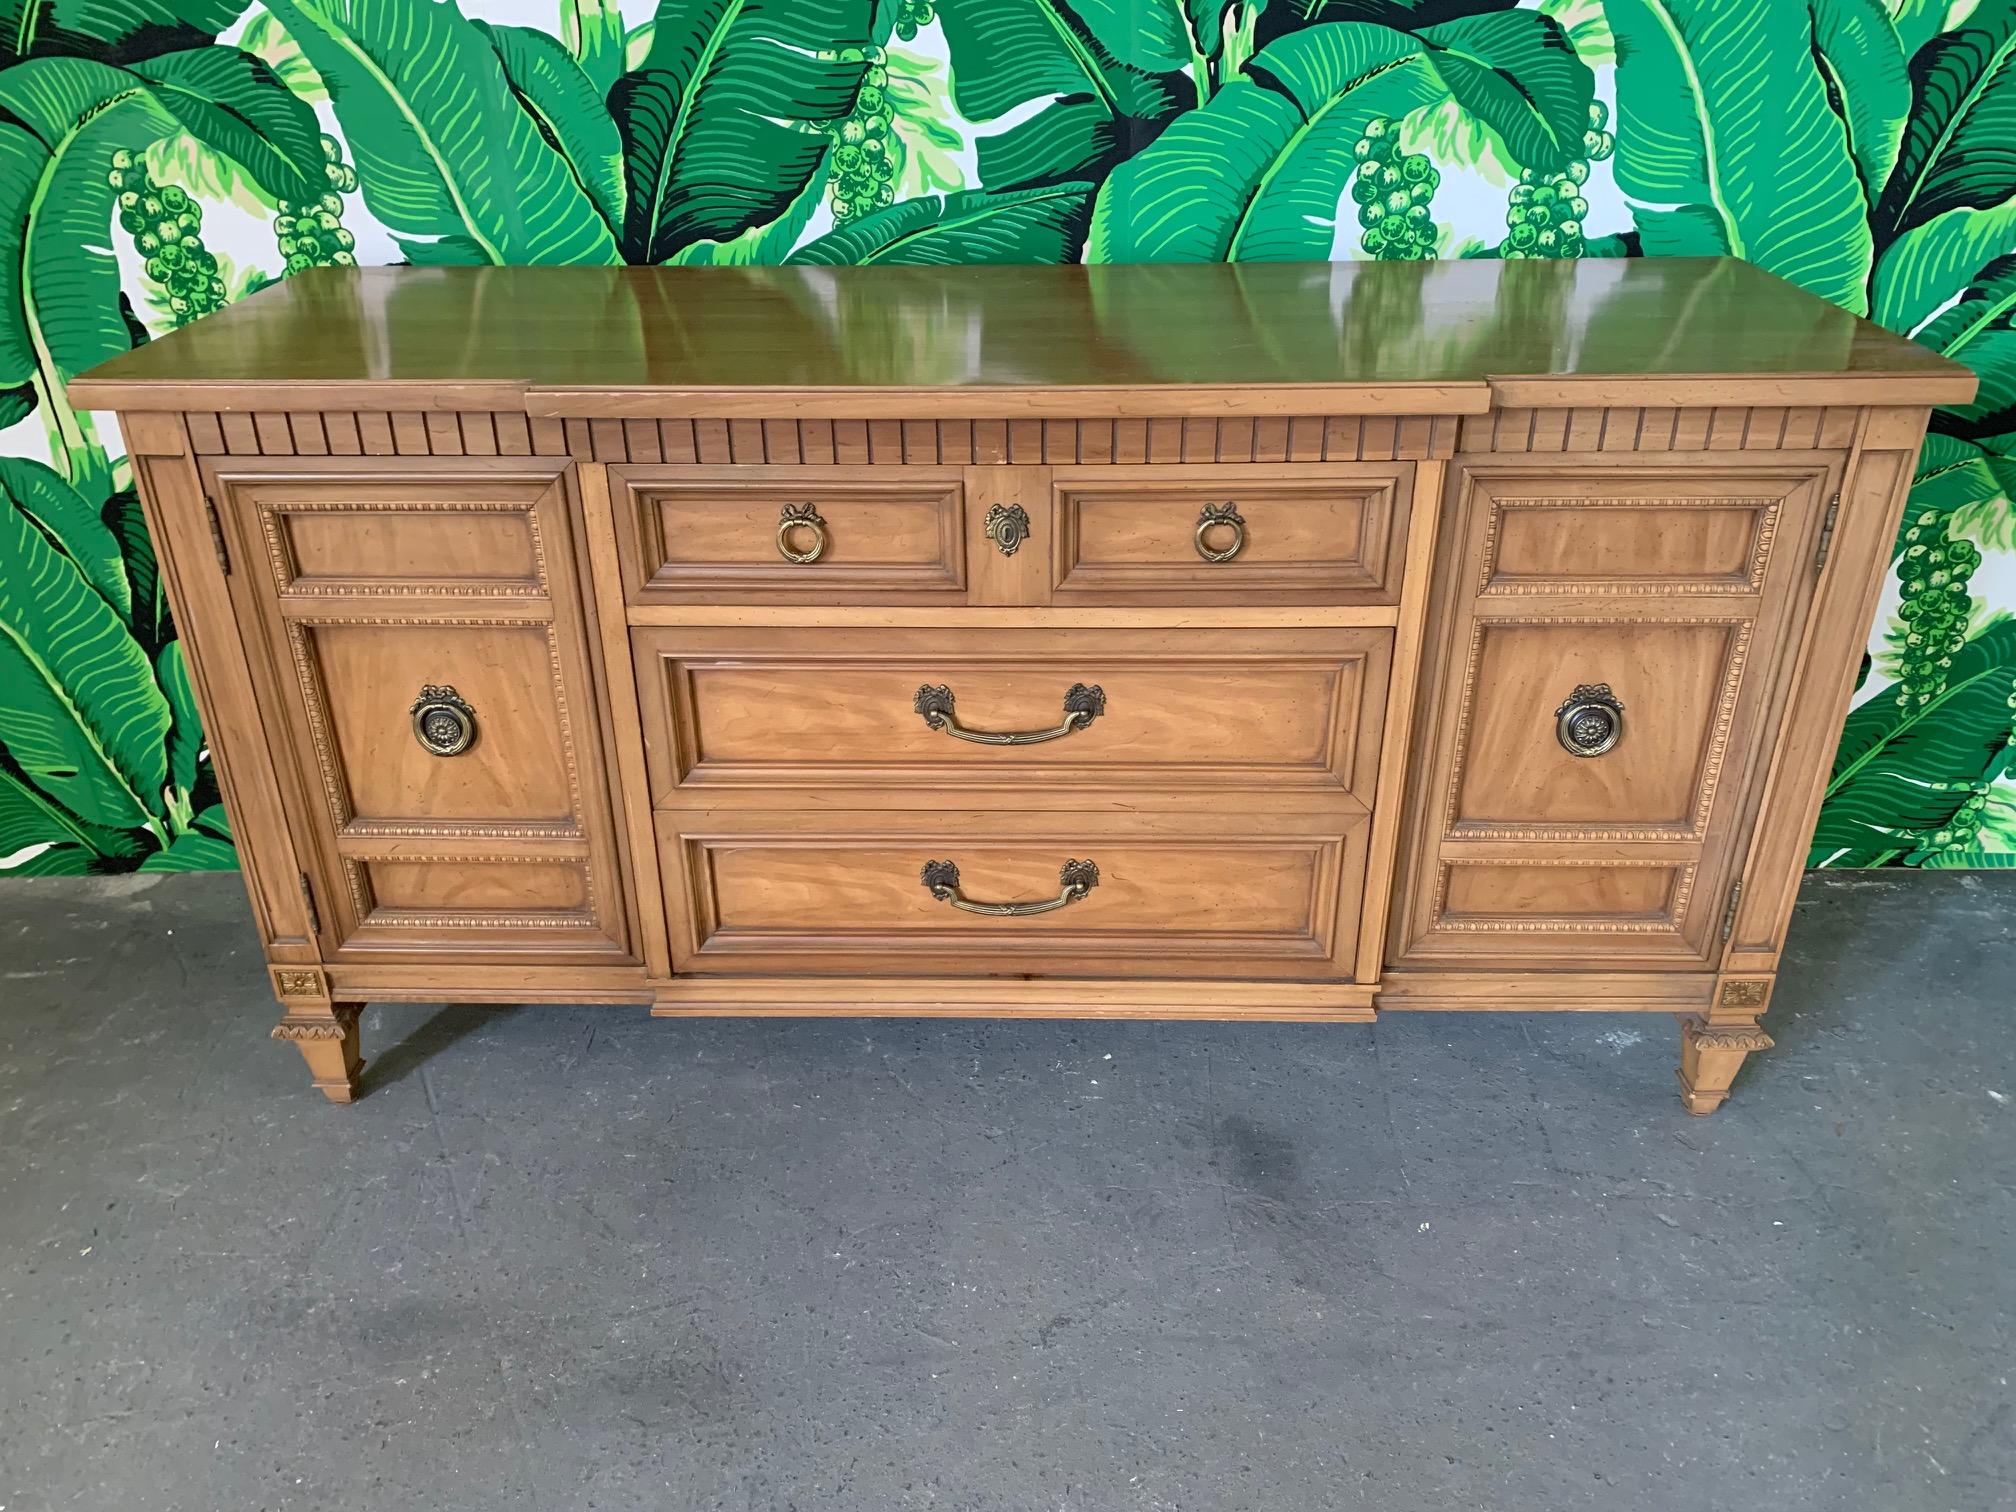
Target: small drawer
{"x": 1064, "y": 894}
{"x": 827, "y": 535}
{"x": 1038, "y": 711}
{"x": 1290, "y": 534}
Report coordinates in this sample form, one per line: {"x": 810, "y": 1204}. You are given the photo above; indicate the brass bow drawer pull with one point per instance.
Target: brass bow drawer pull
{"x": 800, "y": 517}
{"x": 443, "y": 722}
{"x": 1590, "y": 722}
{"x": 1082, "y": 705}
{"x": 1076, "y": 879}
{"x": 1227, "y": 515}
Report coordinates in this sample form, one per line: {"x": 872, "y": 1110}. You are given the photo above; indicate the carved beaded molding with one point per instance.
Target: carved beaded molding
{"x": 1683, "y": 889}
{"x": 813, "y": 443}
{"x": 286, "y": 573}
{"x": 1766, "y": 509}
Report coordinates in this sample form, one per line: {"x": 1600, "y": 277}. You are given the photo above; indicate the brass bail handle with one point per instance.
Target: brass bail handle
{"x": 1590, "y": 722}
{"x": 801, "y": 517}
{"x": 1082, "y": 705}
{"x": 1074, "y": 881}
{"x": 1228, "y": 516}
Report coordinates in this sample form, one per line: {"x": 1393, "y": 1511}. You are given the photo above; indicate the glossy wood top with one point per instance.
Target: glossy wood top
{"x": 1421, "y": 338}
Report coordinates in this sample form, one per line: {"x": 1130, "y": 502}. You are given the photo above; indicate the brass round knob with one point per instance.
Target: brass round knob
{"x": 801, "y": 517}
{"x": 1590, "y": 722}
{"x": 1228, "y": 516}
{"x": 443, "y": 721}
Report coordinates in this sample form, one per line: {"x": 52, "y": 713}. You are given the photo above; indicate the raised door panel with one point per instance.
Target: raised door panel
{"x": 360, "y": 682}
{"x": 852, "y": 893}
{"x": 1610, "y": 654}
{"x": 1278, "y": 534}
{"x": 1130, "y": 713}
{"x": 430, "y": 674}
{"x": 1674, "y": 685}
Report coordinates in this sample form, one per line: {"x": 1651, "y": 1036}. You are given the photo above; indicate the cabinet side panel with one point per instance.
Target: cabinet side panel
{"x": 192, "y": 574}
{"x": 1872, "y": 505}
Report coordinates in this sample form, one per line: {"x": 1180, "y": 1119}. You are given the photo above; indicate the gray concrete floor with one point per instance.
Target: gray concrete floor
{"x": 574, "y": 1258}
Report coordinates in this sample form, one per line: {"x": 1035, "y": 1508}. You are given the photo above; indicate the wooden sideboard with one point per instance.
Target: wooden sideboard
{"x": 1290, "y": 642}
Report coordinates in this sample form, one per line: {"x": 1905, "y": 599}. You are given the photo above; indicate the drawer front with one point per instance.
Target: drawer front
{"x": 854, "y": 893}
{"x": 427, "y": 657}
{"x": 769, "y": 535}
{"x": 1117, "y": 710}
{"x": 1617, "y": 635}
{"x": 1289, "y": 534}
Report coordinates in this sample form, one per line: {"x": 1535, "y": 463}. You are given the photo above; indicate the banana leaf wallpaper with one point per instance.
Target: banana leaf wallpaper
{"x": 159, "y": 158}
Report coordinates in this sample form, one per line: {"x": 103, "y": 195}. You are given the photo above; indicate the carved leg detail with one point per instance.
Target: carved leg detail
{"x": 328, "y": 1041}
{"x": 1710, "y": 1056}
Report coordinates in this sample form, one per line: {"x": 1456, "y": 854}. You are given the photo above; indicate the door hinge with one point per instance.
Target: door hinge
{"x": 217, "y": 535}
{"x": 1729, "y": 913}
{"x": 314, "y": 915}
{"x": 1827, "y": 532}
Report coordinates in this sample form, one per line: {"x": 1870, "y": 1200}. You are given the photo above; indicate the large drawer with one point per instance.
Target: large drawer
{"x": 1142, "y": 711}
{"x": 1152, "y": 896}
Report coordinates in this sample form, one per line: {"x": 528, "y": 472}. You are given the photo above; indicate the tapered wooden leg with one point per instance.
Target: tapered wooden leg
{"x": 328, "y": 1041}
{"x": 1710, "y": 1057}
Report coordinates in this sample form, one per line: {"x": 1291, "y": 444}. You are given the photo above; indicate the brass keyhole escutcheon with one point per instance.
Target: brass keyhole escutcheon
{"x": 443, "y": 721}
{"x": 797, "y": 517}
{"x": 1007, "y": 526}
{"x": 1590, "y": 722}
{"x": 1214, "y": 517}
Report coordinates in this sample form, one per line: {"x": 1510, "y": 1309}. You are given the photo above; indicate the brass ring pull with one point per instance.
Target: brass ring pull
{"x": 1076, "y": 879}
{"x": 796, "y": 516}
{"x": 1082, "y": 705}
{"x": 1226, "y": 514}
{"x": 1590, "y": 722}
{"x": 443, "y": 722}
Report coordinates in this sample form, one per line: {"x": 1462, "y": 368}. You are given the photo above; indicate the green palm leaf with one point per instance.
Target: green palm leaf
{"x": 100, "y": 28}
{"x": 1976, "y": 329}
{"x": 235, "y": 104}
{"x": 592, "y": 32}
{"x": 185, "y": 728}
{"x": 1902, "y": 773}
{"x": 1260, "y": 171}
{"x": 1727, "y": 143}
{"x": 1080, "y": 108}
{"x": 559, "y": 95}
{"x": 1044, "y": 225}
{"x": 446, "y": 155}
{"x": 725, "y": 123}
{"x": 1863, "y": 63}
{"x": 1959, "y": 148}
{"x": 80, "y": 712}
{"x": 1919, "y": 271}
{"x": 72, "y": 527}
{"x": 204, "y": 846}
{"x": 1516, "y": 72}
{"x": 60, "y": 121}
{"x": 38, "y": 838}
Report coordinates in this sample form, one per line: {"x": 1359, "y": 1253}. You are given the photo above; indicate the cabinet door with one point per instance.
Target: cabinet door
{"x": 429, "y": 673}
{"x": 1612, "y": 637}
